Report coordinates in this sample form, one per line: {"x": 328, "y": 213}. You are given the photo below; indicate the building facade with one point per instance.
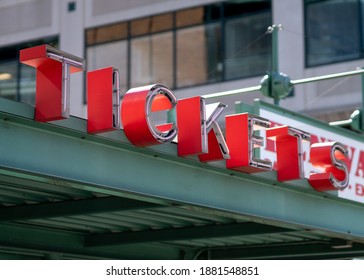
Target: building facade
{"x": 194, "y": 47}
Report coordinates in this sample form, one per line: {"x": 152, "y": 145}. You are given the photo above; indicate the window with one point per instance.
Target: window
{"x": 107, "y": 34}
{"x": 110, "y": 54}
{"x": 152, "y": 60}
{"x": 333, "y": 31}
{"x": 198, "y": 51}
{"x": 247, "y": 55}
{"x": 8, "y": 79}
{"x": 200, "y": 45}
{"x": 17, "y": 81}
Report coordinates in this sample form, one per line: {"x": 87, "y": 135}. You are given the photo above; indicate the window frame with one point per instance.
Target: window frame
{"x": 215, "y": 17}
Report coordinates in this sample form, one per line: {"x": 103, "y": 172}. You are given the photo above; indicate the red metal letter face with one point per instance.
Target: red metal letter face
{"x": 190, "y": 118}
{"x": 242, "y": 141}
{"x": 103, "y": 100}
{"x": 199, "y": 134}
{"x": 136, "y": 109}
{"x": 52, "y": 82}
{"x": 289, "y": 151}
{"x": 331, "y": 158}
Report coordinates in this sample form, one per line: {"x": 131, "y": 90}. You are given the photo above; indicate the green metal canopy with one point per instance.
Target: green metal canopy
{"x": 66, "y": 194}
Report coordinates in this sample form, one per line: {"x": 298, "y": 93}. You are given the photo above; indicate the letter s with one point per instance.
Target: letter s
{"x": 331, "y": 158}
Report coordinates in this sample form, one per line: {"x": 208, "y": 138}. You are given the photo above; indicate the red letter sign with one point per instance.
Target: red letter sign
{"x": 289, "y": 151}
{"x": 190, "y": 118}
{"x": 52, "y": 82}
{"x": 330, "y": 157}
{"x": 242, "y": 142}
{"x": 136, "y": 109}
{"x": 103, "y": 100}
{"x": 198, "y": 130}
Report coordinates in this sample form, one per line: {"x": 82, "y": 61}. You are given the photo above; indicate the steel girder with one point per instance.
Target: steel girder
{"x": 109, "y": 164}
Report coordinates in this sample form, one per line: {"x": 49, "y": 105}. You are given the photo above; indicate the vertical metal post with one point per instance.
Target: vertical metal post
{"x": 275, "y": 65}
{"x": 174, "y": 51}
{"x": 362, "y": 103}
{"x": 275, "y": 58}
{"x": 128, "y": 80}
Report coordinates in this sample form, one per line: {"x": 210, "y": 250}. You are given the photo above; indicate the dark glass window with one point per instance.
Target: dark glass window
{"x": 333, "y": 31}
{"x": 242, "y": 8}
{"x": 247, "y": 47}
{"x": 17, "y": 81}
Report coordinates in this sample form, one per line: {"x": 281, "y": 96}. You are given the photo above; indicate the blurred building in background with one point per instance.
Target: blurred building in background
{"x": 193, "y": 47}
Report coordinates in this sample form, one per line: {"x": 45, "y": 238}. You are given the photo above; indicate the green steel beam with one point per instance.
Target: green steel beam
{"x": 71, "y": 208}
{"x": 109, "y": 163}
{"x": 32, "y": 240}
{"x": 51, "y": 190}
{"x": 304, "y": 250}
{"x": 20, "y": 256}
{"x": 186, "y": 233}
{"x": 23, "y": 238}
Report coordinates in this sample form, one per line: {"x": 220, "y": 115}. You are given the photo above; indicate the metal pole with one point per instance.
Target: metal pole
{"x": 361, "y": 124}
{"x": 231, "y": 92}
{"x": 275, "y": 58}
{"x": 275, "y": 66}
{"x": 293, "y": 82}
{"x": 327, "y": 77}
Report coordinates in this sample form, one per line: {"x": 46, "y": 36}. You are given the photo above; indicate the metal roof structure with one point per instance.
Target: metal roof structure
{"x": 66, "y": 194}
